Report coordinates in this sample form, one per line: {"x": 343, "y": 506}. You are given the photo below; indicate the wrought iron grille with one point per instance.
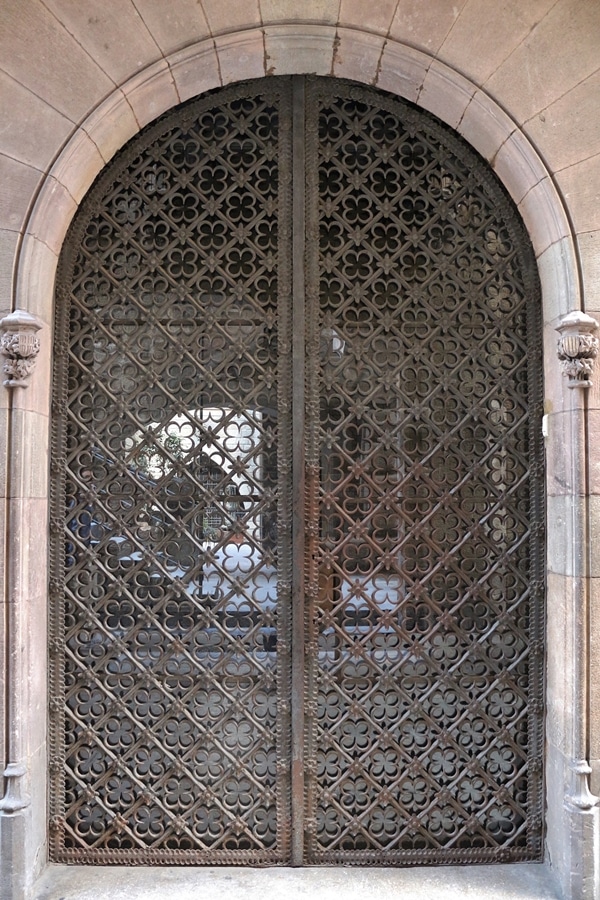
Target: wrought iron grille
{"x": 425, "y": 585}
{"x": 297, "y": 596}
{"x": 171, "y": 546}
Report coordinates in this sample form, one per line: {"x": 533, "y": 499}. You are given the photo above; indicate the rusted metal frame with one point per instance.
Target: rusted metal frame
{"x": 285, "y": 480}
{"x": 311, "y": 463}
{"x": 298, "y": 469}
{"x": 56, "y": 593}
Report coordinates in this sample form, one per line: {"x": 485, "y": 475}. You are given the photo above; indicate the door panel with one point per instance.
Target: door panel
{"x": 177, "y": 562}
{"x": 421, "y": 553}
{"x": 297, "y": 601}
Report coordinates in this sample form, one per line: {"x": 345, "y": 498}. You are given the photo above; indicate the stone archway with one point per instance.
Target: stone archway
{"x": 403, "y": 71}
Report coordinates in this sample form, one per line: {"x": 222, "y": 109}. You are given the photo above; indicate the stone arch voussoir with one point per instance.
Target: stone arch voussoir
{"x": 288, "y": 49}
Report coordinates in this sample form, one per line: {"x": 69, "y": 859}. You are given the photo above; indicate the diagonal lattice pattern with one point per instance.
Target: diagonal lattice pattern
{"x": 424, "y": 573}
{"x": 359, "y": 682}
{"x": 173, "y": 550}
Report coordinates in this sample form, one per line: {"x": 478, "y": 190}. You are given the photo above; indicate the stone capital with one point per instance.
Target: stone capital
{"x": 20, "y": 346}
{"x": 578, "y": 348}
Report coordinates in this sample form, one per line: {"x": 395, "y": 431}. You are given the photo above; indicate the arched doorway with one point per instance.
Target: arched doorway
{"x": 297, "y": 606}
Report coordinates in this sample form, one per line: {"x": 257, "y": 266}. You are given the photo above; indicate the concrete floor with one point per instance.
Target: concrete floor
{"x": 506, "y": 882}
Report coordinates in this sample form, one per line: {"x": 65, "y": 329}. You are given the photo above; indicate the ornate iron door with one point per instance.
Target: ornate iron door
{"x": 296, "y": 599}
{"x": 424, "y": 585}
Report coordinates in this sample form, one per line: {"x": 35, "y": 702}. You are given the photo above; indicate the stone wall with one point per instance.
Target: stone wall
{"x": 521, "y": 81}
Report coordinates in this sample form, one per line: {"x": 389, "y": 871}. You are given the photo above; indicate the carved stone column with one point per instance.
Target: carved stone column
{"x": 577, "y": 351}
{"x": 20, "y": 346}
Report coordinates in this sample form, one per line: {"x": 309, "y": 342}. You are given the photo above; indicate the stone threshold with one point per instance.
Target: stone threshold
{"x": 524, "y": 881}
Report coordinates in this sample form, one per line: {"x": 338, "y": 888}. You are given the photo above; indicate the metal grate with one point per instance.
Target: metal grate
{"x": 297, "y": 544}
{"x": 171, "y": 550}
{"x": 424, "y": 573}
